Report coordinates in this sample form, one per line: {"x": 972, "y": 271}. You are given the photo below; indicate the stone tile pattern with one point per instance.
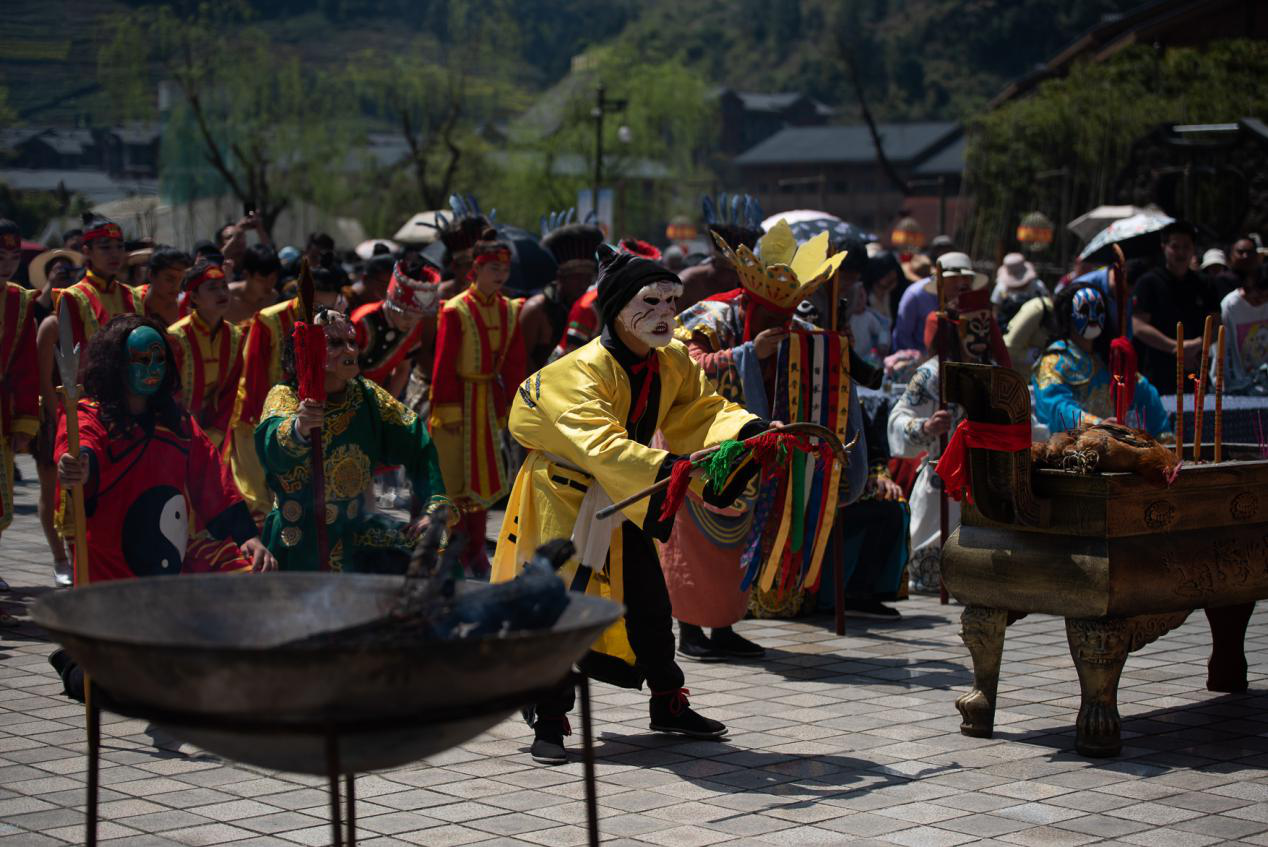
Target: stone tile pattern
{"x": 850, "y": 740}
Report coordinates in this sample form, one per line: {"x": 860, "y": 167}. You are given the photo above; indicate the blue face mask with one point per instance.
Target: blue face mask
{"x": 147, "y": 361}
{"x": 1088, "y": 317}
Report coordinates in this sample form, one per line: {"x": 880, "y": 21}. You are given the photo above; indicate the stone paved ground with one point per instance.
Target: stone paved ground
{"x": 834, "y": 741}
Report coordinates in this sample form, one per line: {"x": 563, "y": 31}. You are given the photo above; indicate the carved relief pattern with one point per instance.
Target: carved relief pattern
{"x": 1159, "y": 514}
{"x": 1106, "y": 641}
{"x": 1010, "y": 395}
{"x": 982, "y": 628}
{"x": 1243, "y": 506}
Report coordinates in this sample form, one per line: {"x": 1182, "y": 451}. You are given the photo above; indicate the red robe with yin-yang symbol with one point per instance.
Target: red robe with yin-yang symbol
{"x": 143, "y": 488}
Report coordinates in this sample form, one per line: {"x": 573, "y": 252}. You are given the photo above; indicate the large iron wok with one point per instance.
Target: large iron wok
{"x": 213, "y": 660}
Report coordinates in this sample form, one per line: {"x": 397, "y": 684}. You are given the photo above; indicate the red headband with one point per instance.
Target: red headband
{"x": 210, "y": 273}
{"x": 104, "y": 230}
{"x": 497, "y": 254}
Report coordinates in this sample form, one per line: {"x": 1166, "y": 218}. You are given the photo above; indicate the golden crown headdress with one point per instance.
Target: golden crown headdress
{"x": 785, "y": 274}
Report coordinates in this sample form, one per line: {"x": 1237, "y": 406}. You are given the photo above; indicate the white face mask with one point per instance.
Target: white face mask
{"x": 1092, "y": 333}
{"x": 649, "y": 317}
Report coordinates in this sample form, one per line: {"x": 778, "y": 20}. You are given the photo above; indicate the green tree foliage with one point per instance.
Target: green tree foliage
{"x": 919, "y": 59}
{"x": 670, "y": 126}
{"x": 1088, "y": 121}
{"x": 264, "y": 125}
{"x": 439, "y": 95}
{"x": 7, "y": 115}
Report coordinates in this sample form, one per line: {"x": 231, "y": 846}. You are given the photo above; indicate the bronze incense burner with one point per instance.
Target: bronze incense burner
{"x": 1123, "y": 560}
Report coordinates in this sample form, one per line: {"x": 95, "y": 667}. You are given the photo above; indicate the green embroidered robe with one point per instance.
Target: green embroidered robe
{"x": 364, "y": 429}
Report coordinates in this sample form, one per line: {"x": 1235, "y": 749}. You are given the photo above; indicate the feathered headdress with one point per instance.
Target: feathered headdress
{"x": 736, "y": 217}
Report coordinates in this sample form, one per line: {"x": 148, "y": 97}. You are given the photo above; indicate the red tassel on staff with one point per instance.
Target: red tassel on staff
{"x": 310, "y": 361}
{"x": 679, "y": 480}
{"x": 1123, "y": 365}
{"x": 1123, "y": 362}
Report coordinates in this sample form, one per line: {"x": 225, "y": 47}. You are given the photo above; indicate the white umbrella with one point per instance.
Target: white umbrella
{"x": 1088, "y": 224}
{"x": 421, "y": 229}
{"x": 1121, "y": 232}
{"x": 365, "y": 249}
{"x": 797, "y": 216}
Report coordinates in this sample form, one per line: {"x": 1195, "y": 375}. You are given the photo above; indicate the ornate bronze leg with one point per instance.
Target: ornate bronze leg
{"x": 1100, "y": 647}
{"x": 982, "y": 630}
{"x": 1226, "y": 670}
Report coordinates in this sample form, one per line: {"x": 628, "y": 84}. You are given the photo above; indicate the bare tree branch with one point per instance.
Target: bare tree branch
{"x": 896, "y": 179}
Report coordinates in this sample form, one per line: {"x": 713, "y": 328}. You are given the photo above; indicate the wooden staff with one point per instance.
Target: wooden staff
{"x": 1199, "y": 388}
{"x": 1219, "y": 395}
{"x": 812, "y": 429}
{"x": 1179, "y": 391}
{"x": 944, "y": 336}
{"x": 66, "y": 355}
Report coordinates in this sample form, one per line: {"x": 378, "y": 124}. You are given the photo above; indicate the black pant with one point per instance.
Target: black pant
{"x": 648, "y": 623}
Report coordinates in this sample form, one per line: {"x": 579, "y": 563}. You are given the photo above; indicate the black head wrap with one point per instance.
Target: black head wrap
{"x": 623, "y": 275}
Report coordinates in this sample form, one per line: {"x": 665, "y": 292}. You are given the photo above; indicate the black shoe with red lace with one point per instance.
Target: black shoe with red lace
{"x": 672, "y": 713}
{"x": 548, "y": 741}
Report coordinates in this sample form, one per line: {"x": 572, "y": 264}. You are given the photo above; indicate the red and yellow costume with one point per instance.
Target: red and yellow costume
{"x": 210, "y": 365}
{"x": 480, "y": 362}
{"x": 143, "y": 493}
{"x": 261, "y": 370}
{"x": 19, "y": 390}
{"x": 97, "y": 300}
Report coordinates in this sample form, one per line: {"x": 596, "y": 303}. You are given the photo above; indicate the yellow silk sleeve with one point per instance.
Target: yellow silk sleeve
{"x": 575, "y": 409}
{"x": 699, "y": 416}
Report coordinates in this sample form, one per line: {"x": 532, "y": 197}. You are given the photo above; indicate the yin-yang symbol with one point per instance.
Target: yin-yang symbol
{"x": 156, "y": 531}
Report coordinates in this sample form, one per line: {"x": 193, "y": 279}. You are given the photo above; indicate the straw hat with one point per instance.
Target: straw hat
{"x": 38, "y": 271}
{"x": 140, "y": 257}
{"x": 1015, "y": 272}
{"x": 956, "y": 264}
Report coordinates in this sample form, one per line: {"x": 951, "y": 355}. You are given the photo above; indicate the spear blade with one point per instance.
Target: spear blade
{"x": 67, "y": 352}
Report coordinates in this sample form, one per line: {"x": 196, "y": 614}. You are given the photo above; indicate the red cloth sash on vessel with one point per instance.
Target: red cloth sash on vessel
{"x": 953, "y": 464}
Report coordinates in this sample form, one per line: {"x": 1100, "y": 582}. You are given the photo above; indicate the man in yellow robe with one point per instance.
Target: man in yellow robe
{"x": 587, "y": 421}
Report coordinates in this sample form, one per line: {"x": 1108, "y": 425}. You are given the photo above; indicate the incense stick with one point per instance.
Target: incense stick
{"x": 1179, "y": 391}
{"x": 1199, "y": 388}
{"x": 1219, "y": 395}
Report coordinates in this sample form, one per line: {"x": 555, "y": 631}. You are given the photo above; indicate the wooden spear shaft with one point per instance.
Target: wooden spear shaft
{"x": 944, "y": 350}
{"x": 807, "y": 428}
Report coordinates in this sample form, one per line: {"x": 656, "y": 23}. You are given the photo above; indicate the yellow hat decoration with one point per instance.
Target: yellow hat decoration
{"x": 785, "y": 274}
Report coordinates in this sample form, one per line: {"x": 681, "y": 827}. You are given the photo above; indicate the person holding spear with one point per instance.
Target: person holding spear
{"x": 137, "y": 466}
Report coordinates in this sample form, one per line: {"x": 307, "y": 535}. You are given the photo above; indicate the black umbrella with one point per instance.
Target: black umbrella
{"x": 532, "y": 265}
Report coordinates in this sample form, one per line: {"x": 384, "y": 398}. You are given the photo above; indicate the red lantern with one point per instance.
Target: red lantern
{"x": 1035, "y": 232}
{"x": 681, "y": 229}
{"x": 907, "y": 234}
